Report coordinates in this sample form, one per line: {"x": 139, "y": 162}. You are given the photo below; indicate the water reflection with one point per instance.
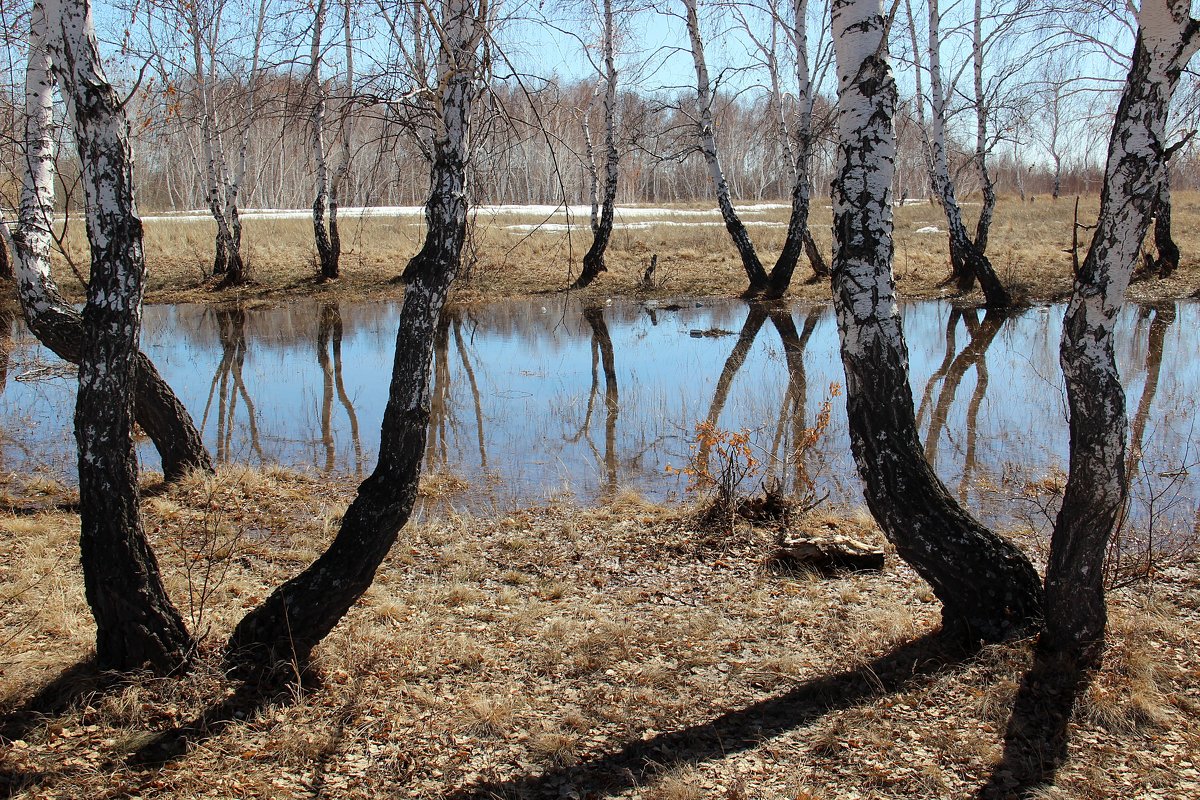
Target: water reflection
{"x": 602, "y": 355}
{"x": 1163, "y": 317}
{"x": 228, "y": 385}
{"x": 519, "y": 389}
{"x": 793, "y": 461}
{"x": 329, "y": 344}
{"x": 950, "y": 374}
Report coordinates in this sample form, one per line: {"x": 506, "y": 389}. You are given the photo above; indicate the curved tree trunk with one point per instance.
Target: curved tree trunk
{"x": 988, "y": 588}
{"x": 798, "y": 237}
{"x": 301, "y": 612}
{"x": 1096, "y": 490}
{"x": 136, "y": 624}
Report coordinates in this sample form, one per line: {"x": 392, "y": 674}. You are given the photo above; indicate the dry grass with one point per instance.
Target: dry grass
{"x": 498, "y": 648}
{"x": 1029, "y": 248}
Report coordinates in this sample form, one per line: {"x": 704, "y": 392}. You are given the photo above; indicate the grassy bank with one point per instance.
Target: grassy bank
{"x": 553, "y": 652}
{"x": 1030, "y": 244}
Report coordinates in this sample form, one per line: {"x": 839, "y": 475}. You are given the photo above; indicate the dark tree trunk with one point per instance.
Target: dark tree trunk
{"x": 300, "y": 613}
{"x": 220, "y": 254}
{"x": 1097, "y": 487}
{"x": 6, "y": 270}
{"x": 235, "y": 271}
{"x": 793, "y": 243}
{"x": 819, "y": 265}
{"x": 969, "y": 263}
{"x": 755, "y": 273}
{"x": 327, "y": 254}
{"x": 136, "y": 624}
{"x": 988, "y": 589}
{"x": 1168, "y": 251}
{"x": 593, "y": 259}
{"x": 58, "y": 326}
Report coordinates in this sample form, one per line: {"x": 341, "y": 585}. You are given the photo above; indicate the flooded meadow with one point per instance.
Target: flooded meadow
{"x": 535, "y": 398}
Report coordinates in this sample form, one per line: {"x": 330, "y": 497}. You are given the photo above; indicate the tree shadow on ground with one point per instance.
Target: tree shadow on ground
{"x": 82, "y": 680}
{"x": 1035, "y": 744}
{"x": 75, "y": 684}
{"x": 282, "y": 687}
{"x": 736, "y": 731}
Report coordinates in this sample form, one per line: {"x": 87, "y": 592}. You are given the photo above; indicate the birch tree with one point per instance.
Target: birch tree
{"x": 988, "y": 588}
{"x": 328, "y": 187}
{"x": 204, "y": 28}
{"x": 55, "y": 323}
{"x": 968, "y": 256}
{"x": 1096, "y": 491}
{"x": 302, "y": 611}
{"x": 136, "y": 623}
{"x": 760, "y": 283}
{"x": 593, "y": 260}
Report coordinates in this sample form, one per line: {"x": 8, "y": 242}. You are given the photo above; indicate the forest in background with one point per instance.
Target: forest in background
{"x": 228, "y": 72}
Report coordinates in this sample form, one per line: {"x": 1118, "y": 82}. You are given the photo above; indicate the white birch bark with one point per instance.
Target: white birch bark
{"x": 56, "y": 324}
{"x": 800, "y": 165}
{"x": 32, "y": 242}
{"x": 967, "y": 259}
{"x": 987, "y": 587}
{"x": 986, "y": 212}
{"x": 593, "y": 173}
{"x": 211, "y": 149}
{"x": 346, "y": 120}
{"x": 1096, "y": 490}
{"x": 327, "y": 265}
{"x": 234, "y": 188}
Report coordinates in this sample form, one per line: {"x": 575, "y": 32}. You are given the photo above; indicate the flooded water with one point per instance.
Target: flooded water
{"x": 536, "y": 398}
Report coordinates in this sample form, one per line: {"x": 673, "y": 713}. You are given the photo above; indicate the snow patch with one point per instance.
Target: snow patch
{"x": 928, "y": 229}
{"x": 558, "y": 227}
{"x": 548, "y": 212}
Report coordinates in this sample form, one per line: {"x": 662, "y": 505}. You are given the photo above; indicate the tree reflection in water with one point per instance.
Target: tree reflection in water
{"x": 951, "y": 373}
{"x": 786, "y": 445}
{"x": 602, "y": 356}
{"x": 329, "y": 343}
{"x": 443, "y": 418}
{"x": 228, "y": 385}
{"x": 1164, "y": 316}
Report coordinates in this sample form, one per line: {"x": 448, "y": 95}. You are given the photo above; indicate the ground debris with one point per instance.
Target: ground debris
{"x": 562, "y": 651}
{"x": 826, "y": 555}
